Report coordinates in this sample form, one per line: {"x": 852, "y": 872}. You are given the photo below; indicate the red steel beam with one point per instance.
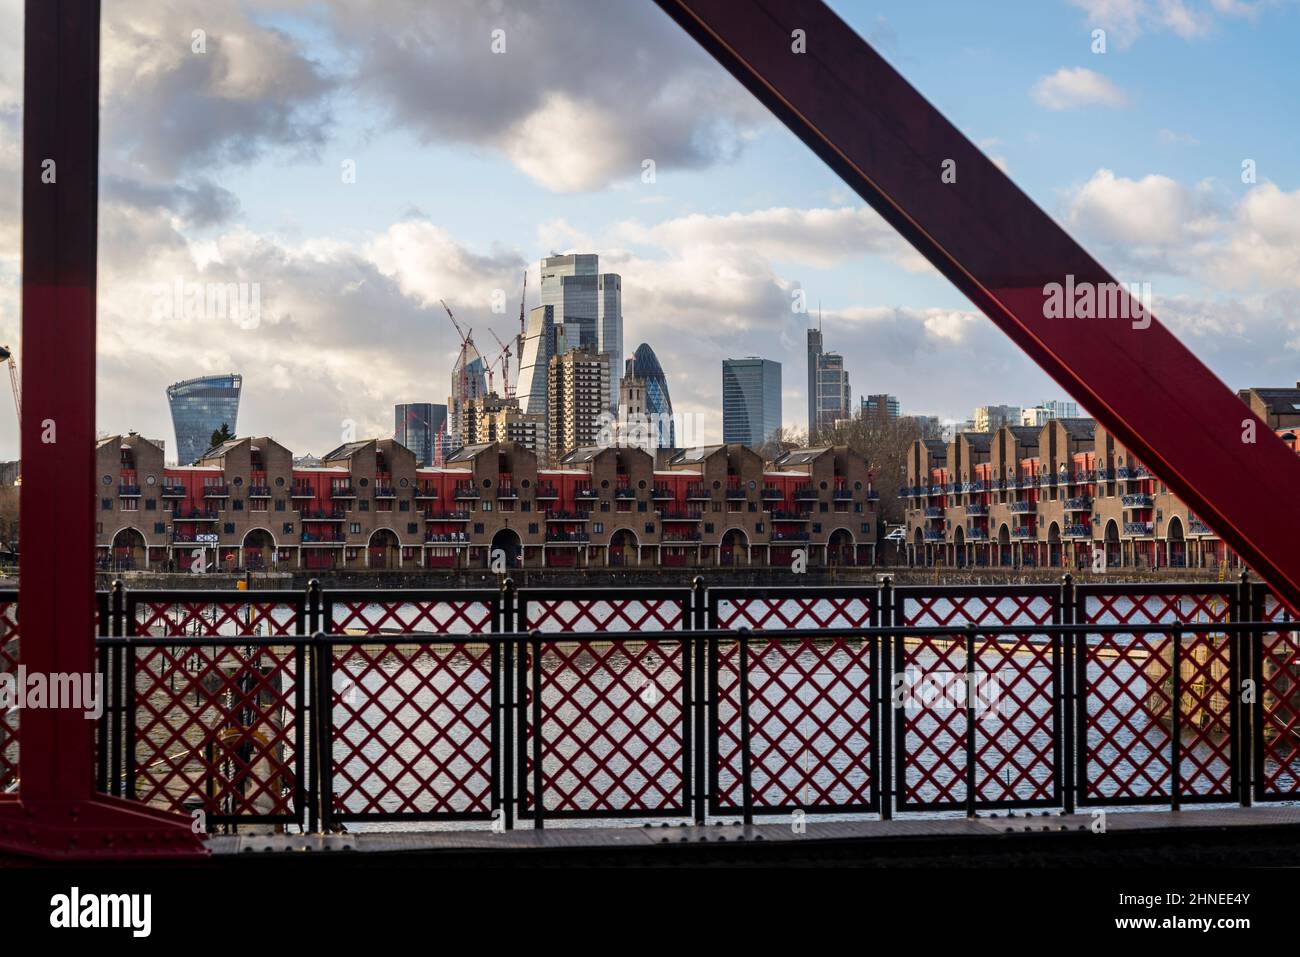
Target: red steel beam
{"x": 57, "y": 813}
{"x": 994, "y": 244}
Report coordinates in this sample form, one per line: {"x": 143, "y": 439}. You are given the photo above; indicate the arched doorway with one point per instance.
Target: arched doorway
{"x": 623, "y": 548}
{"x": 1054, "y": 545}
{"x": 1004, "y": 545}
{"x": 258, "y": 550}
{"x": 507, "y": 541}
{"x": 1114, "y": 557}
{"x": 734, "y": 549}
{"x": 839, "y": 548}
{"x": 1176, "y": 544}
{"x": 129, "y": 550}
{"x": 959, "y": 543}
{"x": 383, "y": 550}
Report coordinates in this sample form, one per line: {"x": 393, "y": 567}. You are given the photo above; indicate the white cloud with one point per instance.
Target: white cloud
{"x": 1127, "y": 20}
{"x": 1069, "y": 88}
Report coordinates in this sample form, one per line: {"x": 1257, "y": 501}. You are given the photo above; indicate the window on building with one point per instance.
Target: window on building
{"x": 239, "y": 505}
{"x": 525, "y": 506}
{"x": 817, "y": 528}
{"x": 478, "y": 528}
{"x": 866, "y": 527}
{"x": 288, "y": 528}
{"x": 532, "y": 528}
{"x": 598, "y": 527}
{"x": 758, "y": 527}
{"x": 106, "y": 504}
{"x": 229, "y": 528}
{"x": 403, "y": 506}
{"x": 279, "y": 505}
{"x": 354, "y": 528}
{"x": 150, "y": 505}
{"x": 412, "y": 528}
{"x": 160, "y": 528}
{"x": 822, "y": 507}
{"x": 365, "y": 505}
{"x": 708, "y": 528}
{"x": 649, "y": 528}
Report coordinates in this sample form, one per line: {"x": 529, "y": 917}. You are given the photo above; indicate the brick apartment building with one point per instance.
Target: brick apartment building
{"x": 245, "y": 505}
{"x": 1052, "y": 496}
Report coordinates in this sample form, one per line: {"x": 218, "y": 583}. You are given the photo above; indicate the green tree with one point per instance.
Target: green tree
{"x": 220, "y": 435}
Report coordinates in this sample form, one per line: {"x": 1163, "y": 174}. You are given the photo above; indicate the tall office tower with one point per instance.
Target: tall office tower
{"x": 814, "y": 353}
{"x": 590, "y": 305}
{"x": 200, "y": 407}
{"x": 884, "y": 405}
{"x": 751, "y": 401}
{"x": 990, "y": 418}
{"x": 468, "y": 382}
{"x": 579, "y": 383}
{"x": 535, "y": 360}
{"x": 643, "y": 401}
{"x": 417, "y": 425}
{"x": 834, "y": 396}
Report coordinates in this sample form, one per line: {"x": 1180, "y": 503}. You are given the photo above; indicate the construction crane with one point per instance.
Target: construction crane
{"x": 466, "y": 342}
{"x": 7, "y": 355}
{"x": 504, "y": 358}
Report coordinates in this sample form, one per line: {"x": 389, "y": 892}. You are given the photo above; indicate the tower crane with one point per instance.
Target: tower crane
{"x": 504, "y": 358}
{"x": 7, "y": 356}
{"x": 466, "y": 341}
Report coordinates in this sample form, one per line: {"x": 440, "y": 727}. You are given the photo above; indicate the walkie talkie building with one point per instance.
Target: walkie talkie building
{"x": 200, "y": 407}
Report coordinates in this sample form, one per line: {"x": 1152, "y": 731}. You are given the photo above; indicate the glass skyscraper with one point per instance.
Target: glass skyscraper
{"x": 589, "y": 304}
{"x": 200, "y": 407}
{"x": 418, "y": 425}
{"x": 644, "y": 379}
{"x": 751, "y": 401}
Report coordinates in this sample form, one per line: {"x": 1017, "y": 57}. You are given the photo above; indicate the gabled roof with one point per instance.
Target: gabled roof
{"x": 800, "y": 456}
{"x": 581, "y": 455}
{"x": 219, "y": 450}
{"x": 467, "y": 453}
{"x": 697, "y": 454}
{"x": 1079, "y": 428}
{"x": 346, "y": 450}
{"x": 979, "y": 441}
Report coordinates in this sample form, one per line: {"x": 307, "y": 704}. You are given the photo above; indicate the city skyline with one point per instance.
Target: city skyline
{"x": 711, "y": 249}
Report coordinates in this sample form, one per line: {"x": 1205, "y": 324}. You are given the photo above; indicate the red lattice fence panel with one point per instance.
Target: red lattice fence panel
{"x": 549, "y": 612}
{"x": 218, "y": 729}
{"x": 810, "y": 725}
{"x": 803, "y": 608}
{"x": 1277, "y": 707}
{"x": 8, "y": 715}
{"x": 1014, "y": 687}
{"x": 412, "y": 731}
{"x": 216, "y": 617}
{"x": 1126, "y": 697}
{"x": 612, "y": 736}
{"x": 439, "y": 614}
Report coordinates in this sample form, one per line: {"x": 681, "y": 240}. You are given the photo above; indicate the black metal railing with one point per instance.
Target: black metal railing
{"x": 305, "y": 708}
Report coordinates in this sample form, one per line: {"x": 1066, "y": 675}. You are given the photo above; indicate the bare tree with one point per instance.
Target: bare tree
{"x": 884, "y": 442}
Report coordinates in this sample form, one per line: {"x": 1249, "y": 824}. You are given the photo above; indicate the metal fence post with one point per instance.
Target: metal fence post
{"x": 698, "y": 610}
{"x": 971, "y": 721}
{"x": 509, "y": 705}
{"x": 313, "y": 606}
{"x": 1176, "y": 770}
{"x": 539, "y": 815}
{"x": 1065, "y": 647}
{"x": 1239, "y": 672}
{"x": 885, "y": 705}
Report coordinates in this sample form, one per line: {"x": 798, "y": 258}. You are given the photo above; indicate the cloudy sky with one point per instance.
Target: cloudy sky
{"x": 230, "y": 165}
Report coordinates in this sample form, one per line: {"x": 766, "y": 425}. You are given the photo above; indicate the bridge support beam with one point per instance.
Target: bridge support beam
{"x": 57, "y": 813}
{"x": 994, "y": 244}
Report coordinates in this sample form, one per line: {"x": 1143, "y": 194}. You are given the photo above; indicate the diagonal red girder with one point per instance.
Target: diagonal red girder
{"x": 994, "y": 244}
